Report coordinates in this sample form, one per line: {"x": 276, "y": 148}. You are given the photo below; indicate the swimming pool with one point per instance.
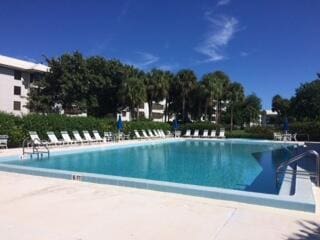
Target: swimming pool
{"x": 196, "y": 167}
{"x": 239, "y": 165}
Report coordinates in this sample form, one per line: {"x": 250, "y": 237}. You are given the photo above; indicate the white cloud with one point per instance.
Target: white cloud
{"x": 146, "y": 58}
{"x": 222, "y": 30}
{"x": 244, "y": 54}
{"x": 223, "y": 2}
{"x": 143, "y": 60}
{"x": 169, "y": 67}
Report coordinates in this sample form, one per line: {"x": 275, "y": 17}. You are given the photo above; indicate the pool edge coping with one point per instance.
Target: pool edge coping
{"x": 298, "y": 201}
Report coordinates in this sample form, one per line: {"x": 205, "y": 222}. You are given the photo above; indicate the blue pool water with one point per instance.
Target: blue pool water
{"x": 245, "y": 166}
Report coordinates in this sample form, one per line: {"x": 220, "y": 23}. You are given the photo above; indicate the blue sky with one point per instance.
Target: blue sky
{"x": 269, "y": 46}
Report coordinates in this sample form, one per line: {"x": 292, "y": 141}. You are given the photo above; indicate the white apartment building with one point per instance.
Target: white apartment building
{"x": 16, "y": 77}
{"x": 158, "y": 110}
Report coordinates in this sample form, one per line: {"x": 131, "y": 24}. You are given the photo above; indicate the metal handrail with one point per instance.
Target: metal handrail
{"x": 300, "y": 156}
{"x": 35, "y": 150}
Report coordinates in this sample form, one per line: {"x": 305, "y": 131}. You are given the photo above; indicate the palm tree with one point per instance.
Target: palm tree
{"x": 216, "y": 84}
{"x": 157, "y": 87}
{"x": 235, "y": 97}
{"x": 185, "y": 81}
{"x": 133, "y": 94}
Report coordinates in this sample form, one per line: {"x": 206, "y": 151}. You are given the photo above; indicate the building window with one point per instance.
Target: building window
{"x": 16, "y": 106}
{"x": 124, "y": 113}
{"x": 17, "y": 90}
{"x": 17, "y": 75}
{"x": 156, "y": 115}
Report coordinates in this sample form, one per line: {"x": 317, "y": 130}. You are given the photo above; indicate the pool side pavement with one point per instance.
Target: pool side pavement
{"x": 33, "y": 207}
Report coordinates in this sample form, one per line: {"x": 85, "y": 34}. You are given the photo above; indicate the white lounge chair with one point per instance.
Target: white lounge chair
{"x": 188, "y": 133}
{"x": 164, "y": 135}
{"x": 221, "y": 133}
{"x": 145, "y": 134}
{"x": 97, "y": 136}
{"x": 213, "y": 134}
{"x": 108, "y": 136}
{"x": 156, "y": 133}
{"x": 77, "y": 136}
{"x": 66, "y": 137}
{"x": 151, "y": 134}
{"x": 88, "y": 137}
{"x": 161, "y": 132}
{"x": 169, "y": 134}
{"x": 54, "y": 140}
{"x": 36, "y": 140}
{"x": 277, "y": 136}
{"x": 195, "y": 133}
{"x": 4, "y": 141}
{"x": 137, "y": 134}
{"x": 205, "y": 134}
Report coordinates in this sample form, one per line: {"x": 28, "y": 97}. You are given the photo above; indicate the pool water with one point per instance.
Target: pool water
{"x": 244, "y": 166}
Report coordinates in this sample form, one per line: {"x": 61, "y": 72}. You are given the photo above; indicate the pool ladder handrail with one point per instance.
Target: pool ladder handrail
{"x": 35, "y": 147}
{"x": 297, "y": 158}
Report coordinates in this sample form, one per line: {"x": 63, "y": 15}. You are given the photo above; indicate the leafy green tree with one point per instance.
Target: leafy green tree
{"x": 281, "y": 106}
{"x": 306, "y": 102}
{"x": 251, "y": 108}
{"x": 184, "y": 83}
{"x": 235, "y": 98}
{"x": 66, "y": 85}
{"x": 99, "y": 82}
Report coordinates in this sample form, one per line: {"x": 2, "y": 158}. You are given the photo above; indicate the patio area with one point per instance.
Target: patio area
{"x": 33, "y": 207}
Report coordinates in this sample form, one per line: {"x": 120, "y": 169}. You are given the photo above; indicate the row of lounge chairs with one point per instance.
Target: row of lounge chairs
{"x": 205, "y": 134}
{"x": 66, "y": 139}
{"x": 149, "y": 134}
{"x": 94, "y": 138}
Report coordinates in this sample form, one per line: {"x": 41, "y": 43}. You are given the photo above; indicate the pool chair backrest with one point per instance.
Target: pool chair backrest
{"x": 188, "y": 132}
{"x": 222, "y": 132}
{"x": 137, "y": 134}
{"x": 96, "y": 135}
{"x": 77, "y": 136}
{"x": 87, "y": 135}
{"x": 205, "y": 133}
{"x": 65, "y": 136}
{"x": 156, "y": 133}
{"x": 213, "y": 133}
{"x": 150, "y": 133}
{"x": 144, "y": 133}
{"x": 196, "y": 133}
{"x": 52, "y": 137}
{"x": 34, "y": 137}
{"x": 162, "y": 134}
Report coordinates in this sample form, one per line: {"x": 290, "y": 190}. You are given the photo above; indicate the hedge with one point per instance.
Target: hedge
{"x": 305, "y": 129}
{"x": 17, "y": 128}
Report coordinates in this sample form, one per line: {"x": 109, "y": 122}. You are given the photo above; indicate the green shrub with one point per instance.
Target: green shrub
{"x": 253, "y": 133}
{"x": 17, "y": 128}
{"x": 306, "y": 128}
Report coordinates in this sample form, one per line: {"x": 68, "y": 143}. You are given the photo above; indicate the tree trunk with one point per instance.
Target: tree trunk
{"x": 166, "y": 111}
{"x": 206, "y": 111}
{"x": 150, "y": 109}
{"x": 183, "y": 109}
{"x": 138, "y": 112}
{"x": 231, "y": 118}
{"x": 217, "y": 112}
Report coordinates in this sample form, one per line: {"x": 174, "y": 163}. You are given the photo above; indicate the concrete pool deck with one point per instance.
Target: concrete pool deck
{"x": 33, "y": 207}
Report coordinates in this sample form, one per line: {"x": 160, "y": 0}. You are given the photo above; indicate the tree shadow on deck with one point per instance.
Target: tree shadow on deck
{"x": 309, "y": 230}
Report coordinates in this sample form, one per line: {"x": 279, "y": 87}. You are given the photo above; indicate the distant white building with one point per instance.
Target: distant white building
{"x": 158, "y": 110}
{"x": 268, "y": 117}
{"x": 16, "y": 77}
